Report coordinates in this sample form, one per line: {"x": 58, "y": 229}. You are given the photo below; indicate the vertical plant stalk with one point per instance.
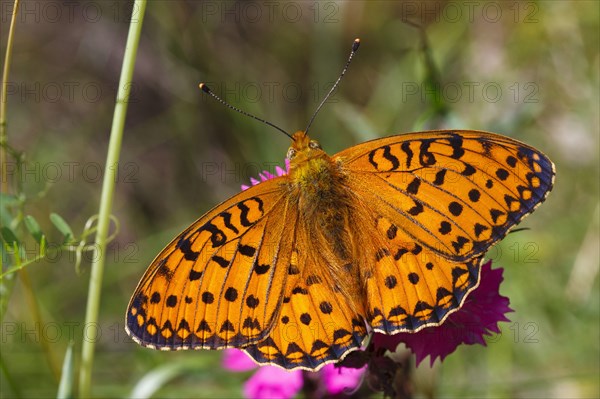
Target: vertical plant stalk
{"x": 4, "y": 96}
{"x": 6, "y": 284}
{"x": 108, "y": 188}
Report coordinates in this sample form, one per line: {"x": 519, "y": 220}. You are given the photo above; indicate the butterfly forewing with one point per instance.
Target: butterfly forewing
{"x": 455, "y": 192}
{"x": 219, "y": 283}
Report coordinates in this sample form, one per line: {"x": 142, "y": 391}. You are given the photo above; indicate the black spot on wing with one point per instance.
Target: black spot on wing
{"x": 511, "y": 161}
{"x": 208, "y": 297}
{"x": 445, "y": 227}
{"x": 392, "y": 231}
{"x": 455, "y": 208}
{"x": 217, "y": 237}
{"x": 413, "y": 186}
{"x": 194, "y": 275}
{"x": 164, "y": 271}
{"x": 247, "y": 250}
{"x": 401, "y": 251}
{"x": 325, "y": 307}
{"x": 409, "y": 153}
{"x": 251, "y": 323}
{"x": 456, "y": 142}
{"x": 426, "y": 158}
{"x": 227, "y": 221}
{"x": 220, "y": 261}
{"x": 227, "y": 326}
{"x": 439, "y": 177}
{"x": 252, "y": 302}
{"x": 231, "y": 294}
{"x": 479, "y": 228}
{"x": 261, "y": 269}
{"x": 474, "y": 195}
{"x": 155, "y": 298}
{"x": 390, "y": 281}
{"x": 171, "y": 301}
{"x": 245, "y": 210}
{"x": 381, "y": 253}
{"x": 185, "y": 246}
{"x": 502, "y": 174}
{"x": 469, "y": 170}
{"x": 387, "y": 154}
{"x": 417, "y": 209}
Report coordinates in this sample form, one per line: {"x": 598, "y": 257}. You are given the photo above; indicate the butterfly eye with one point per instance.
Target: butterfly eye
{"x": 314, "y": 145}
{"x": 291, "y": 153}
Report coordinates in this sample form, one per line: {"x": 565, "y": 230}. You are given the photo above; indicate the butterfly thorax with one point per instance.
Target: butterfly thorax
{"x": 323, "y": 199}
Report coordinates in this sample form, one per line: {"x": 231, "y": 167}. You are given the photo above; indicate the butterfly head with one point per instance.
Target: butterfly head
{"x": 303, "y": 149}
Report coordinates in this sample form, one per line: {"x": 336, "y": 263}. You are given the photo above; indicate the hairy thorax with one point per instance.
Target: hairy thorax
{"x": 323, "y": 201}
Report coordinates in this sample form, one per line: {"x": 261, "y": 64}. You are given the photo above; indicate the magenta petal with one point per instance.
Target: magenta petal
{"x": 237, "y": 360}
{"x": 340, "y": 379}
{"x": 389, "y": 342}
{"x": 478, "y": 316}
{"x": 273, "y": 382}
{"x": 266, "y": 175}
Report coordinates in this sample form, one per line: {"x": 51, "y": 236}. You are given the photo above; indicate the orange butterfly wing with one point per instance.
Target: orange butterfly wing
{"x": 317, "y": 323}
{"x": 220, "y": 283}
{"x": 433, "y": 203}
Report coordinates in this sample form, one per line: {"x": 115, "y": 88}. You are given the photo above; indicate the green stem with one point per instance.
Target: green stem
{"x": 6, "y": 284}
{"x": 108, "y": 188}
{"x": 4, "y": 94}
{"x": 5, "y": 70}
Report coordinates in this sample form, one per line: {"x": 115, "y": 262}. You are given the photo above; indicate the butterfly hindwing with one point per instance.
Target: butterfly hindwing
{"x": 219, "y": 283}
{"x": 317, "y": 323}
{"x": 409, "y": 286}
{"x": 456, "y": 192}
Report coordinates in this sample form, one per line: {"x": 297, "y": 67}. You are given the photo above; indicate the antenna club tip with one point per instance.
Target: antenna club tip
{"x": 356, "y": 44}
{"x": 204, "y": 88}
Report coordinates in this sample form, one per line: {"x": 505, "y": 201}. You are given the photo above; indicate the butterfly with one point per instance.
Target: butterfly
{"x": 389, "y": 233}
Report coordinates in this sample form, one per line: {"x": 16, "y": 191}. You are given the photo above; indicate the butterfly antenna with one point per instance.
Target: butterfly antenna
{"x": 355, "y": 46}
{"x": 208, "y": 91}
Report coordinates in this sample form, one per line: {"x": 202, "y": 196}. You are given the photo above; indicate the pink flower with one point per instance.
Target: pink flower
{"x": 274, "y": 382}
{"x": 236, "y": 360}
{"x": 341, "y": 379}
{"x": 266, "y": 175}
{"x": 267, "y": 382}
{"x": 271, "y": 382}
{"x": 479, "y": 316}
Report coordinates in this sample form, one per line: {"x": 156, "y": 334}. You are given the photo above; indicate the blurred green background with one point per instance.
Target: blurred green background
{"x": 529, "y": 70}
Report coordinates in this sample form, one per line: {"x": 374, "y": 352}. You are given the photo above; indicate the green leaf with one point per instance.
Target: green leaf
{"x": 62, "y": 226}
{"x": 156, "y": 379}
{"x": 34, "y": 228}
{"x": 8, "y": 236}
{"x": 9, "y": 200}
